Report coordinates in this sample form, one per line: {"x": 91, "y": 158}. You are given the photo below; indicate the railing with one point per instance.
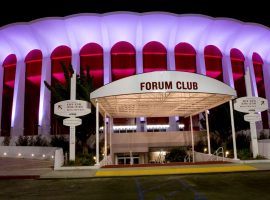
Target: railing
{"x": 107, "y": 160}
{"x": 187, "y": 158}
{"x": 216, "y": 155}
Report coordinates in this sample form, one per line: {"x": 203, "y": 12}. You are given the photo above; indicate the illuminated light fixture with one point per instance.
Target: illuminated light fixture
{"x": 181, "y": 125}
{"x": 43, "y": 155}
{"x": 131, "y": 127}
{"x": 4, "y": 153}
{"x": 32, "y": 155}
{"x": 227, "y": 153}
{"x": 205, "y": 150}
{"x": 158, "y": 126}
{"x": 19, "y": 154}
{"x": 94, "y": 157}
{"x": 52, "y": 157}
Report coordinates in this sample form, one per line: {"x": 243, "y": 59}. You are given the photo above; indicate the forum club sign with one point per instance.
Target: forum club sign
{"x": 169, "y": 85}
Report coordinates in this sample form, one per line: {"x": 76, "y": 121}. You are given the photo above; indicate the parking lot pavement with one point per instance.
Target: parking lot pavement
{"x": 24, "y": 168}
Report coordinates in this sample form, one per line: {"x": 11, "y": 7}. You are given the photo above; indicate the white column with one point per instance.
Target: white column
{"x": 253, "y": 130}
{"x": 1, "y": 92}
{"x": 208, "y": 133}
{"x": 111, "y": 132}
{"x": 173, "y": 124}
{"x": 105, "y": 136}
{"x": 107, "y": 67}
{"x": 233, "y": 131}
{"x": 249, "y": 65}
{"x": 200, "y": 62}
{"x": 17, "y": 117}
{"x": 44, "y": 114}
{"x": 266, "y": 78}
{"x": 227, "y": 70}
{"x": 75, "y": 61}
{"x": 139, "y": 62}
{"x": 97, "y": 132}
{"x": 192, "y": 139}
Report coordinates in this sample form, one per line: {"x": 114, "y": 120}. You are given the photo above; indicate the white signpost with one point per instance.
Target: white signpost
{"x": 251, "y": 105}
{"x": 72, "y": 108}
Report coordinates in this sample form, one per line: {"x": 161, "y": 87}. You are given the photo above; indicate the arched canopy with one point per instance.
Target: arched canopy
{"x": 161, "y": 94}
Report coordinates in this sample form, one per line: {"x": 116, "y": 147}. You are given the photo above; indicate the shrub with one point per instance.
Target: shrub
{"x": 40, "y": 141}
{"x": 6, "y": 141}
{"x": 22, "y": 141}
{"x": 176, "y": 155}
{"x": 244, "y": 154}
{"x": 85, "y": 160}
{"x": 60, "y": 141}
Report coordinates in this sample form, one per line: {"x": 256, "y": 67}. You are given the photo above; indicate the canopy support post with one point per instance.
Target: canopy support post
{"x": 208, "y": 133}
{"x": 192, "y": 139}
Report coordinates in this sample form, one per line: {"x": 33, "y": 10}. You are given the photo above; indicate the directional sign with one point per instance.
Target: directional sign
{"x": 252, "y": 117}
{"x": 72, "y": 121}
{"x": 251, "y": 104}
{"x": 72, "y": 108}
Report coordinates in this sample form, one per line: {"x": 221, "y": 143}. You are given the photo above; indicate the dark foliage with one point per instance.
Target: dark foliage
{"x": 176, "y": 155}
{"x": 220, "y": 125}
{"x": 60, "y": 141}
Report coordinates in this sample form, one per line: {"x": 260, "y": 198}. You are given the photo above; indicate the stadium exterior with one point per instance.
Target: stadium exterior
{"x": 121, "y": 44}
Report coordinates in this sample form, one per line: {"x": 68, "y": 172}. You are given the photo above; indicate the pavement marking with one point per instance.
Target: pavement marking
{"x": 182, "y": 170}
{"x": 140, "y": 190}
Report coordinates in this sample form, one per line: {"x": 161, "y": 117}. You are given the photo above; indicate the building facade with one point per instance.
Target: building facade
{"x": 117, "y": 45}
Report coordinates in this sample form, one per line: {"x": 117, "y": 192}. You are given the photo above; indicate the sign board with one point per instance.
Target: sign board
{"x": 251, "y": 104}
{"x": 163, "y": 81}
{"x": 72, "y": 108}
{"x": 252, "y": 117}
{"x": 72, "y": 121}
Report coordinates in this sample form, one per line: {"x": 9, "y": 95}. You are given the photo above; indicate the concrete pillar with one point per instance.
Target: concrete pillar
{"x": 1, "y": 93}
{"x": 227, "y": 70}
{"x": 75, "y": 61}
{"x": 44, "y": 117}
{"x": 192, "y": 139}
{"x": 97, "y": 132}
{"x": 233, "y": 131}
{"x": 173, "y": 124}
{"x": 200, "y": 62}
{"x": 107, "y": 67}
{"x": 266, "y": 78}
{"x": 17, "y": 117}
{"x": 208, "y": 132}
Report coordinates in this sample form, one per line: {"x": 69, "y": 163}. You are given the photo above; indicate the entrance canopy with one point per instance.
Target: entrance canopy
{"x": 161, "y": 94}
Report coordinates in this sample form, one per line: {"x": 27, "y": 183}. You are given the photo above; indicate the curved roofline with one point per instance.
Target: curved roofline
{"x": 133, "y": 13}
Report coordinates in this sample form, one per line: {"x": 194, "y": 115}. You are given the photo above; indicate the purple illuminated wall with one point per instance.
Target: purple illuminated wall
{"x": 33, "y": 62}
{"x": 120, "y": 44}
{"x": 9, "y": 66}
{"x": 91, "y": 56}
{"x": 123, "y": 60}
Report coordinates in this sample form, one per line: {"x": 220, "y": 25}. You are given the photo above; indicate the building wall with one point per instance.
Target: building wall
{"x": 136, "y": 31}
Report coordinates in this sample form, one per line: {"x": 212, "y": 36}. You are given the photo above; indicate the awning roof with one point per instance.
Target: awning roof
{"x": 162, "y": 93}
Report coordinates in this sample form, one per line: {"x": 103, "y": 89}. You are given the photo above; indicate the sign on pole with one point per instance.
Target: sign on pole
{"x": 72, "y": 121}
{"x": 252, "y": 117}
{"x": 251, "y": 104}
{"x": 72, "y": 108}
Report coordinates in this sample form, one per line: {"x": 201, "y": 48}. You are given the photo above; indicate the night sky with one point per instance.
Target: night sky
{"x": 23, "y": 11}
